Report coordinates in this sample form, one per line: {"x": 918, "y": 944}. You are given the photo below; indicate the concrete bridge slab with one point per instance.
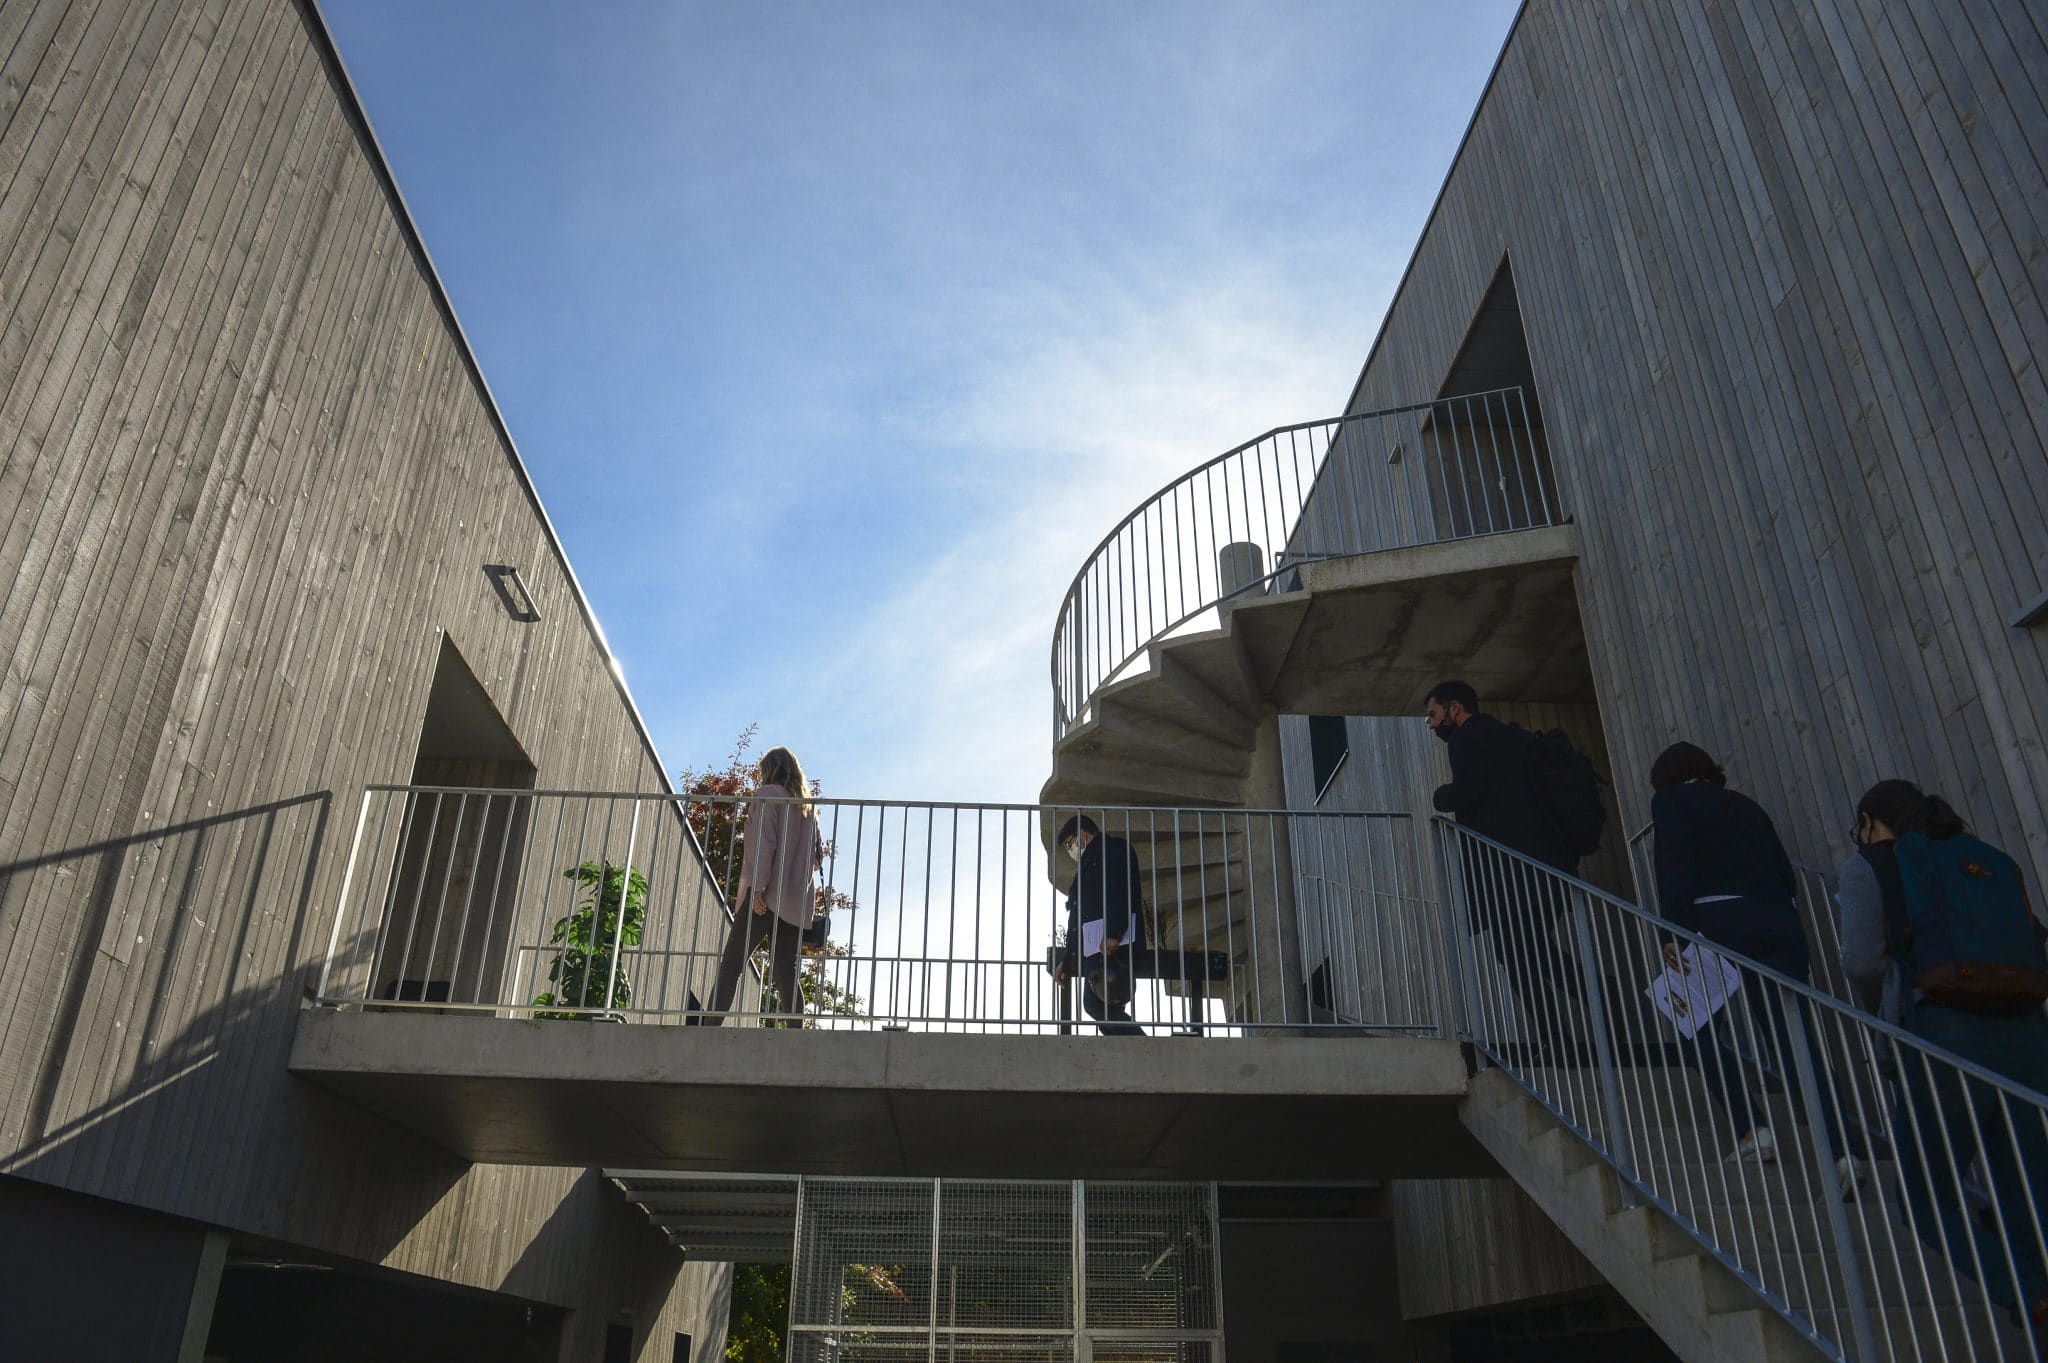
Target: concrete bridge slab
{"x": 1286, "y": 1108}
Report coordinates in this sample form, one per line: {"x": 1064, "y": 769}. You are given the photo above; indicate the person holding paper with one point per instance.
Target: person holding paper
{"x": 1722, "y": 872}
{"x": 1105, "y": 923}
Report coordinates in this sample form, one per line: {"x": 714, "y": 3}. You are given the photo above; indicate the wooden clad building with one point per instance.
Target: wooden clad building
{"x": 251, "y": 482}
{"x": 1776, "y": 277}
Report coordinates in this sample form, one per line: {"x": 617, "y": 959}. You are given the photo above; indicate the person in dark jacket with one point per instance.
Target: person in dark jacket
{"x": 1105, "y": 923}
{"x": 1944, "y": 1121}
{"x": 1492, "y": 791}
{"x": 1722, "y": 873}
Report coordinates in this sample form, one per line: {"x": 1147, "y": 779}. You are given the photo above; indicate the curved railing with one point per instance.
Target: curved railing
{"x": 1449, "y": 469}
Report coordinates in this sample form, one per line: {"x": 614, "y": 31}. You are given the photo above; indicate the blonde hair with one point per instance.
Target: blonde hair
{"x": 779, "y": 767}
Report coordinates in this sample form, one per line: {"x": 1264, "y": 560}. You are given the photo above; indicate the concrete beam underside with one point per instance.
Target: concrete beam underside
{"x": 1287, "y": 1108}
{"x": 1500, "y": 611}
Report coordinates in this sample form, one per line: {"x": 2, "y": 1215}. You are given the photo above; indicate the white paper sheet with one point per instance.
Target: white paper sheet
{"x": 1692, "y": 993}
{"x": 1091, "y": 937}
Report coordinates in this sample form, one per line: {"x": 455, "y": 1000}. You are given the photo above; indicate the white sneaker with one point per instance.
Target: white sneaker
{"x": 1759, "y": 1145}
{"x": 1853, "y": 1174}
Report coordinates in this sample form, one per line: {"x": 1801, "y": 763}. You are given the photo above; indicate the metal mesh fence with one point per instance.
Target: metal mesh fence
{"x": 1006, "y": 1255}
{"x": 984, "y": 1271}
{"x": 1155, "y": 1351}
{"x": 863, "y": 1254}
{"x": 1150, "y": 1256}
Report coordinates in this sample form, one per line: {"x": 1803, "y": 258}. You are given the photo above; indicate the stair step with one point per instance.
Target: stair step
{"x": 1127, "y": 722}
{"x": 1200, "y": 711}
{"x": 1082, "y": 779}
{"x": 1202, "y": 670}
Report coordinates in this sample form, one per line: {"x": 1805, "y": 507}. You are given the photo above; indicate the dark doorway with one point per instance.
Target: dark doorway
{"x": 1488, "y": 461}
{"x": 450, "y": 916}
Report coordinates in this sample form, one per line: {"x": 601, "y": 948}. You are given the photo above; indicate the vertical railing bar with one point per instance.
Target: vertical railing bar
{"x": 540, "y": 926}
{"x": 412, "y": 927}
{"x": 1998, "y": 1209}
{"x": 387, "y": 908}
{"x": 1536, "y": 462}
{"x": 475, "y": 863}
{"x": 604, "y": 842}
{"x": 348, "y": 877}
{"x": 1803, "y": 1058}
{"x": 611, "y": 984}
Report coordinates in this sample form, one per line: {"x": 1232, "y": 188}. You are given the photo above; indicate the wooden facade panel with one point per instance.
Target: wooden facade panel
{"x": 1782, "y": 278}
{"x": 248, "y": 482}
{"x": 1780, "y": 275}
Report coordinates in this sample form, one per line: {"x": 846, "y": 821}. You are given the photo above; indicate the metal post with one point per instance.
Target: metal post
{"x": 611, "y": 984}
{"x": 348, "y": 876}
{"x": 1838, "y": 1221}
{"x": 1603, "y": 1046}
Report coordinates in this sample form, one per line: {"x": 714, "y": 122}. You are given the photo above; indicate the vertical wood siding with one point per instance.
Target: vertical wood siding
{"x": 1782, "y": 272}
{"x": 247, "y": 482}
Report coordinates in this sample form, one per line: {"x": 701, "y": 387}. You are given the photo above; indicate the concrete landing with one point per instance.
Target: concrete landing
{"x": 747, "y": 1100}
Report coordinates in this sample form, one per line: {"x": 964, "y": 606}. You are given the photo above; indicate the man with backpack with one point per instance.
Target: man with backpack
{"x": 1536, "y": 795}
{"x": 1938, "y": 936}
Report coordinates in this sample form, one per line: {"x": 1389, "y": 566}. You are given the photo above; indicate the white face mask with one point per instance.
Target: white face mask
{"x": 1074, "y": 851}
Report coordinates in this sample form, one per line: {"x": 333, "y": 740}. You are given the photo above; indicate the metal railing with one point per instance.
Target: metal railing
{"x": 1457, "y": 467}
{"x": 1922, "y": 1262}
{"x": 944, "y": 916}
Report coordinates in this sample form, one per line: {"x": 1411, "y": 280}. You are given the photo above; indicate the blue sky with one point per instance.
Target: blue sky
{"x": 836, "y": 335}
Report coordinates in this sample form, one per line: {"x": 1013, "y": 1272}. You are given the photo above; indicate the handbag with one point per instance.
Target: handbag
{"x": 820, "y": 931}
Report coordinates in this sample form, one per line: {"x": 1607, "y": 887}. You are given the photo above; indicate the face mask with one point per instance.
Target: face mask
{"x": 1074, "y": 852}
{"x": 1444, "y": 731}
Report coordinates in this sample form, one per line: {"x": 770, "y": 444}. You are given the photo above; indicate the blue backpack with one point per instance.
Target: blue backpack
{"x": 1969, "y": 940}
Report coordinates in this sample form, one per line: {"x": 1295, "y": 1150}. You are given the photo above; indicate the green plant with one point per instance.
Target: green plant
{"x": 610, "y": 914}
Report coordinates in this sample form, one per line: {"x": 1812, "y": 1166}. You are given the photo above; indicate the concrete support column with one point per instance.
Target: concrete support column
{"x": 1267, "y": 984}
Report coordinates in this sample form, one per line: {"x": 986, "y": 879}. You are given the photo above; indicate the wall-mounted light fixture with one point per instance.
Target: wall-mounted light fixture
{"x": 511, "y": 589}
{"x": 2032, "y": 615}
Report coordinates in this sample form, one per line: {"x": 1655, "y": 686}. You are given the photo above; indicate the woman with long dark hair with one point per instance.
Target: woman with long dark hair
{"x": 1945, "y": 1120}
{"x": 781, "y": 852}
{"x": 1722, "y": 872}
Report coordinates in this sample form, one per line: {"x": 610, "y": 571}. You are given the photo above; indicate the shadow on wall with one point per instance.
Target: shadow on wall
{"x": 159, "y": 981}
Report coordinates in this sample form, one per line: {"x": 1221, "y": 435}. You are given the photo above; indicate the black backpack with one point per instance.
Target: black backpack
{"x": 1568, "y": 791}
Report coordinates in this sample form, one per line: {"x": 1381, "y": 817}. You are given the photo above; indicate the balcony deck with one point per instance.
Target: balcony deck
{"x": 1284, "y": 1108}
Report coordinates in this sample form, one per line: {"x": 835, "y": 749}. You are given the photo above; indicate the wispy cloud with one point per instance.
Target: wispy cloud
{"x": 837, "y": 336}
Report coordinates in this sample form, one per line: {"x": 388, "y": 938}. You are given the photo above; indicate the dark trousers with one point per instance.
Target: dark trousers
{"x": 1752, "y": 1027}
{"x": 747, "y": 931}
{"x": 1940, "y": 1117}
{"x": 1110, "y": 1019}
{"x": 1527, "y": 918}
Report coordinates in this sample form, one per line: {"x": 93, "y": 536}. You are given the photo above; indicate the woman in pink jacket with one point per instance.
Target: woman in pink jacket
{"x": 782, "y": 852}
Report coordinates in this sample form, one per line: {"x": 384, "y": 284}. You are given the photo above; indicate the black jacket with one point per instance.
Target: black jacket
{"x": 1108, "y": 884}
{"x": 1711, "y": 841}
{"x": 1492, "y": 790}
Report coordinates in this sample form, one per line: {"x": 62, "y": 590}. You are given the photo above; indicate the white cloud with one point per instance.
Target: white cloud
{"x": 942, "y": 692}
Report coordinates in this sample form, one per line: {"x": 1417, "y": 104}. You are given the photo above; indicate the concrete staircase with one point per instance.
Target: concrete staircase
{"x": 1700, "y": 1307}
{"x": 1194, "y": 725}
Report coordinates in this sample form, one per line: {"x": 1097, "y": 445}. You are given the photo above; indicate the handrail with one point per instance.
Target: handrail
{"x": 1924, "y": 1262}
{"x": 1452, "y": 468}
{"x": 943, "y": 913}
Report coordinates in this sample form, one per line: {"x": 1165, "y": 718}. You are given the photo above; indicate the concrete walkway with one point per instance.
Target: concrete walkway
{"x": 748, "y": 1100}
